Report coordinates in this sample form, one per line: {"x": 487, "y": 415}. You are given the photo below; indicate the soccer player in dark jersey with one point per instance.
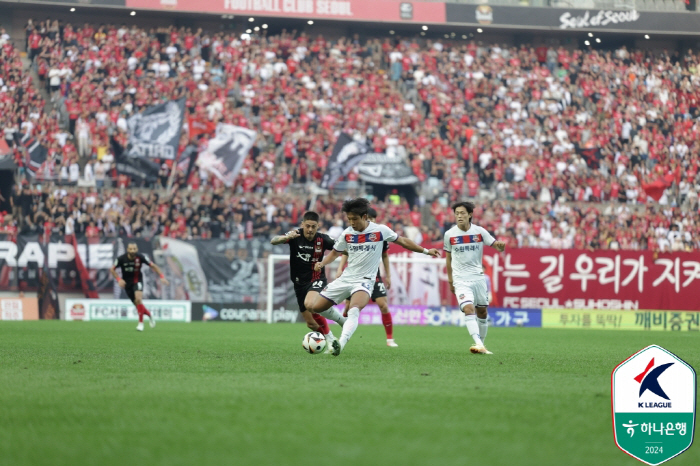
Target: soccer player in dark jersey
{"x": 131, "y": 280}
{"x": 379, "y": 293}
{"x": 306, "y": 247}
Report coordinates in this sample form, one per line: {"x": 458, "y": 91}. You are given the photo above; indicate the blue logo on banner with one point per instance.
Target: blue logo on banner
{"x": 499, "y": 317}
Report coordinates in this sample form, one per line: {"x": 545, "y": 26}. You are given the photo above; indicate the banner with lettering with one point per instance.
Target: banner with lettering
{"x": 578, "y": 279}
{"x": 369, "y": 10}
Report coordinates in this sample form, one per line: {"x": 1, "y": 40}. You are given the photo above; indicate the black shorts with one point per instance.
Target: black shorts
{"x": 379, "y": 290}
{"x": 302, "y": 290}
{"x": 131, "y": 289}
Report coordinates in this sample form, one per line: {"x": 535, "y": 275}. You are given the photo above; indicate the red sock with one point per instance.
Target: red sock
{"x": 322, "y": 322}
{"x": 388, "y": 325}
{"x": 142, "y": 310}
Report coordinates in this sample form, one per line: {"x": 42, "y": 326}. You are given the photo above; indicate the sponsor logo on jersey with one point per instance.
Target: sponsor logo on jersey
{"x": 466, "y": 239}
{"x": 364, "y": 238}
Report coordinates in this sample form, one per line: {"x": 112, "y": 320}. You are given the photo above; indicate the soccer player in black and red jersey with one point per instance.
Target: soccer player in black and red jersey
{"x": 379, "y": 293}
{"x": 306, "y": 247}
{"x": 132, "y": 279}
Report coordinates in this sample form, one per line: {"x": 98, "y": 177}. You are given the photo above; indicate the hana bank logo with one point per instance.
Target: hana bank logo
{"x": 646, "y": 424}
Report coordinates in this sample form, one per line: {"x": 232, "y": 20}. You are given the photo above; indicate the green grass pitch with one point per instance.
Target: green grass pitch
{"x": 74, "y": 393}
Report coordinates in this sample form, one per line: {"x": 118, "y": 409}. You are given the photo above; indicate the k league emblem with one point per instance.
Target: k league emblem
{"x": 653, "y": 404}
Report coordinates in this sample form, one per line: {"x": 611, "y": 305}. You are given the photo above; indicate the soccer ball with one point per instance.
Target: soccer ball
{"x": 314, "y": 343}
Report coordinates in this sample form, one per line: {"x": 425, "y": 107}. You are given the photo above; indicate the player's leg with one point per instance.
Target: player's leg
{"x": 358, "y": 300}
{"x": 310, "y": 296}
{"x": 347, "y": 306}
{"x": 131, "y": 293}
{"x": 308, "y": 316}
{"x": 379, "y": 297}
{"x": 481, "y": 303}
{"x": 388, "y": 323}
{"x": 331, "y": 295}
{"x": 465, "y": 298}
{"x": 310, "y": 321}
{"x": 138, "y": 301}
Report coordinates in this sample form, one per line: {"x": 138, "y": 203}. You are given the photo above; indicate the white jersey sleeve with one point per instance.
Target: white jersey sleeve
{"x": 488, "y": 239}
{"x": 388, "y": 234}
{"x": 341, "y": 244}
{"x": 446, "y": 245}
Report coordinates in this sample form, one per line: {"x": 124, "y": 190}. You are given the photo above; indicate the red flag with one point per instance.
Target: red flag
{"x": 199, "y": 125}
{"x": 655, "y": 190}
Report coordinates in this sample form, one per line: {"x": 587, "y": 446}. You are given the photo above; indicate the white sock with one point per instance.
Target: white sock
{"x": 473, "y": 328}
{"x": 483, "y": 327}
{"x": 350, "y": 325}
{"x": 329, "y": 336}
{"x": 334, "y": 316}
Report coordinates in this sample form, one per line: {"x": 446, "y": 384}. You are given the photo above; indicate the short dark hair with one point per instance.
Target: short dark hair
{"x": 357, "y": 206}
{"x": 310, "y": 216}
{"x": 371, "y": 212}
{"x": 466, "y": 204}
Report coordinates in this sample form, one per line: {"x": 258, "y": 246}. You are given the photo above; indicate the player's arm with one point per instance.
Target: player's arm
{"x": 333, "y": 255}
{"x": 448, "y": 267}
{"x": 412, "y": 246}
{"x": 387, "y": 270}
{"x": 160, "y": 273}
{"x": 497, "y": 245}
{"x": 341, "y": 266}
{"x": 119, "y": 279}
{"x": 282, "y": 239}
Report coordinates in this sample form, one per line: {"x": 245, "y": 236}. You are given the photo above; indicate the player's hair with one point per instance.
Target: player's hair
{"x": 357, "y": 206}
{"x": 310, "y": 216}
{"x": 130, "y": 243}
{"x": 466, "y": 204}
{"x": 371, "y": 212}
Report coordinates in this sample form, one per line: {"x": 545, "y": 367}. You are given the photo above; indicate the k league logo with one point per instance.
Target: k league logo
{"x": 653, "y": 405}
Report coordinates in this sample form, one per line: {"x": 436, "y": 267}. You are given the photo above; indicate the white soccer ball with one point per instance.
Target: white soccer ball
{"x": 518, "y": 322}
{"x": 314, "y": 343}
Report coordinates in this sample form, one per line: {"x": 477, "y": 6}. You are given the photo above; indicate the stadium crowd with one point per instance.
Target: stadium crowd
{"x": 525, "y": 123}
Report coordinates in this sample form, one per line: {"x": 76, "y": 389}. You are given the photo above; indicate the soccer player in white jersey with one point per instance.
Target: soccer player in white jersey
{"x": 363, "y": 240}
{"x": 464, "y": 248}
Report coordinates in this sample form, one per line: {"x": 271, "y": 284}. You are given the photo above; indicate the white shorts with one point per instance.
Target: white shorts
{"x": 340, "y": 290}
{"x": 473, "y": 292}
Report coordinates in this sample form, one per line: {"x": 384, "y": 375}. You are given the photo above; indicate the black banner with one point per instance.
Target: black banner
{"x": 346, "y": 154}
{"x": 382, "y": 169}
{"x": 7, "y": 160}
{"x": 241, "y": 312}
{"x": 154, "y": 135}
{"x": 573, "y": 19}
{"x": 37, "y": 155}
{"x": 235, "y": 269}
{"x": 22, "y": 262}
{"x": 47, "y": 293}
{"x": 226, "y": 271}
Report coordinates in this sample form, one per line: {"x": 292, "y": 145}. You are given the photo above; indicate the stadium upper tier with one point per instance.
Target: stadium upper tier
{"x": 472, "y": 119}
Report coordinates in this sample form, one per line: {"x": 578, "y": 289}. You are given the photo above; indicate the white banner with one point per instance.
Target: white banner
{"x": 124, "y": 310}
{"x": 183, "y": 268}
{"x": 226, "y": 152}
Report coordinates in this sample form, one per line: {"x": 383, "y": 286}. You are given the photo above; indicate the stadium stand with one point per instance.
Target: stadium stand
{"x": 564, "y": 149}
